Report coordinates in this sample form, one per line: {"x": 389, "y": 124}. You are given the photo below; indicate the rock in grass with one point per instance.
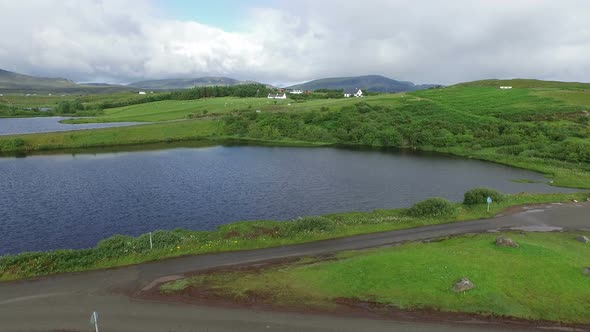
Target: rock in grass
{"x": 463, "y": 285}
{"x": 586, "y": 271}
{"x": 583, "y": 239}
{"x": 502, "y": 241}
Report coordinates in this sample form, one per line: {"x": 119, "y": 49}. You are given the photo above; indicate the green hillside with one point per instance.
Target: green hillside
{"x": 374, "y": 83}
{"x": 527, "y": 84}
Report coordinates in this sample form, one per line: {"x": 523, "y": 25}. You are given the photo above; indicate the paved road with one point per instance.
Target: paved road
{"x": 64, "y": 302}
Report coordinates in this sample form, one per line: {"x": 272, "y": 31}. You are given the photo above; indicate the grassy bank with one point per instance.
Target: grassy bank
{"x": 108, "y": 137}
{"x": 124, "y": 250}
{"x": 540, "y": 280}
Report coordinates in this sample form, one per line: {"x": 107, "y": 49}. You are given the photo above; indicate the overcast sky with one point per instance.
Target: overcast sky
{"x": 280, "y": 42}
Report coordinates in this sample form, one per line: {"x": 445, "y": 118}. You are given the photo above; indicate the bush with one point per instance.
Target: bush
{"x": 12, "y": 144}
{"x": 310, "y": 225}
{"x": 480, "y": 195}
{"x": 432, "y": 207}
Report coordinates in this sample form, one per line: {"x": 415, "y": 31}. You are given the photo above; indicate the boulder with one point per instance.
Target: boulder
{"x": 586, "y": 271}
{"x": 463, "y": 285}
{"x": 502, "y": 241}
{"x": 583, "y": 239}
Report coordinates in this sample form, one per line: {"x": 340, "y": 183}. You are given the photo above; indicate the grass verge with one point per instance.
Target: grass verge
{"x": 122, "y": 250}
{"x": 543, "y": 279}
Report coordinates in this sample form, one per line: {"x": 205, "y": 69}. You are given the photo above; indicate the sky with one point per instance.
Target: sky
{"x": 283, "y": 42}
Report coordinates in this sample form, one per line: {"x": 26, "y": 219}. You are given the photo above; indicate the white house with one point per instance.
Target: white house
{"x": 296, "y": 92}
{"x": 142, "y": 92}
{"x": 505, "y": 87}
{"x": 277, "y": 96}
{"x": 353, "y": 93}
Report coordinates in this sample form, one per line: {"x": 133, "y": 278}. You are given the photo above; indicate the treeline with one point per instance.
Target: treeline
{"x": 420, "y": 125}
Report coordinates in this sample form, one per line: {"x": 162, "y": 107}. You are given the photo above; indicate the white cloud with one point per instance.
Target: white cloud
{"x": 422, "y": 41}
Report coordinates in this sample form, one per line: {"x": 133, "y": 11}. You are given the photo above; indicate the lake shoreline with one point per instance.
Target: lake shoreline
{"x": 247, "y": 235}
{"x": 563, "y": 174}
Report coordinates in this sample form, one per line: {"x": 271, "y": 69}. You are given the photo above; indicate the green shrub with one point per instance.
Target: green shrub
{"x": 12, "y": 144}
{"x": 432, "y": 207}
{"x": 116, "y": 245}
{"x": 310, "y": 225}
{"x": 480, "y": 195}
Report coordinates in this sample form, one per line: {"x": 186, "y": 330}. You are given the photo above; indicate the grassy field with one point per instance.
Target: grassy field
{"x": 540, "y": 280}
{"x": 124, "y": 250}
{"x": 182, "y": 109}
{"x": 46, "y": 100}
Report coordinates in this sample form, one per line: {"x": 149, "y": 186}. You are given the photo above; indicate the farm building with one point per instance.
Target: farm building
{"x": 296, "y": 92}
{"x": 353, "y": 93}
{"x": 505, "y": 87}
{"x": 142, "y": 92}
{"x": 277, "y": 96}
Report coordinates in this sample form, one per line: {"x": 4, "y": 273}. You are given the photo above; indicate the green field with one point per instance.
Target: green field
{"x": 182, "y": 109}
{"x": 122, "y": 250}
{"x": 46, "y": 100}
{"x": 543, "y": 279}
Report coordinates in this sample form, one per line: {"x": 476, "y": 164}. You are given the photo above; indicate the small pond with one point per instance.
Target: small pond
{"x": 11, "y": 126}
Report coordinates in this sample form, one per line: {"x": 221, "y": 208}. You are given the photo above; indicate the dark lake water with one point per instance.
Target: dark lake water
{"x": 73, "y": 201}
{"x": 10, "y": 126}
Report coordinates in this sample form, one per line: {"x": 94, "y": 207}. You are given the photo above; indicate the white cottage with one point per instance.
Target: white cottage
{"x": 353, "y": 93}
{"x": 142, "y": 92}
{"x": 296, "y": 92}
{"x": 277, "y": 96}
{"x": 505, "y": 87}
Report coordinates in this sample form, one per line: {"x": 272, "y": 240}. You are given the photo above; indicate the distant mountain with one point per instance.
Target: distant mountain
{"x": 185, "y": 83}
{"x": 374, "y": 83}
{"x": 18, "y": 83}
{"x": 11, "y": 80}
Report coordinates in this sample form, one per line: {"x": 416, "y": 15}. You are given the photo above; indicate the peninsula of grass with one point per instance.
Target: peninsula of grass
{"x": 121, "y": 250}
{"x": 543, "y": 279}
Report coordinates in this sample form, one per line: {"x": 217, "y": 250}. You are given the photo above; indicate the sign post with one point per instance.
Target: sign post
{"x": 94, "y": 320}
{"x": 489, "y": 201}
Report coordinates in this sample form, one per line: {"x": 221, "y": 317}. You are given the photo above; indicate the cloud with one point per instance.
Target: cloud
{"x": 421, "y": 41}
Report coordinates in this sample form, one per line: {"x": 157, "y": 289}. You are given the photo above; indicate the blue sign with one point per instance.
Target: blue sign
{"x": 489, "y": 200}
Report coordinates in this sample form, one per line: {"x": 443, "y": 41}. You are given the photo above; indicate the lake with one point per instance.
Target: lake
{"x": 11, "y": 126}
{"x": 75, "y": 200}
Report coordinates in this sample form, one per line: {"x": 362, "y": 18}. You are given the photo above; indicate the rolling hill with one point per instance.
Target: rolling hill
{"x": 11, "y": 82}
{"x": 374, "y": 83}
{"x": 186, "y": 83}
{"x": 525, "y": 83}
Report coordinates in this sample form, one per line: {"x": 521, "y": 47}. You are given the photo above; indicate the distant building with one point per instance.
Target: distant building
{"x": 1, "y": 95}
{"x": 142, "y": 92}
{"x": 353, "y": 93}
{"x": 505, "y": 87}
{"x": 296, "y": 92}
{"x": 277, "y": 96}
